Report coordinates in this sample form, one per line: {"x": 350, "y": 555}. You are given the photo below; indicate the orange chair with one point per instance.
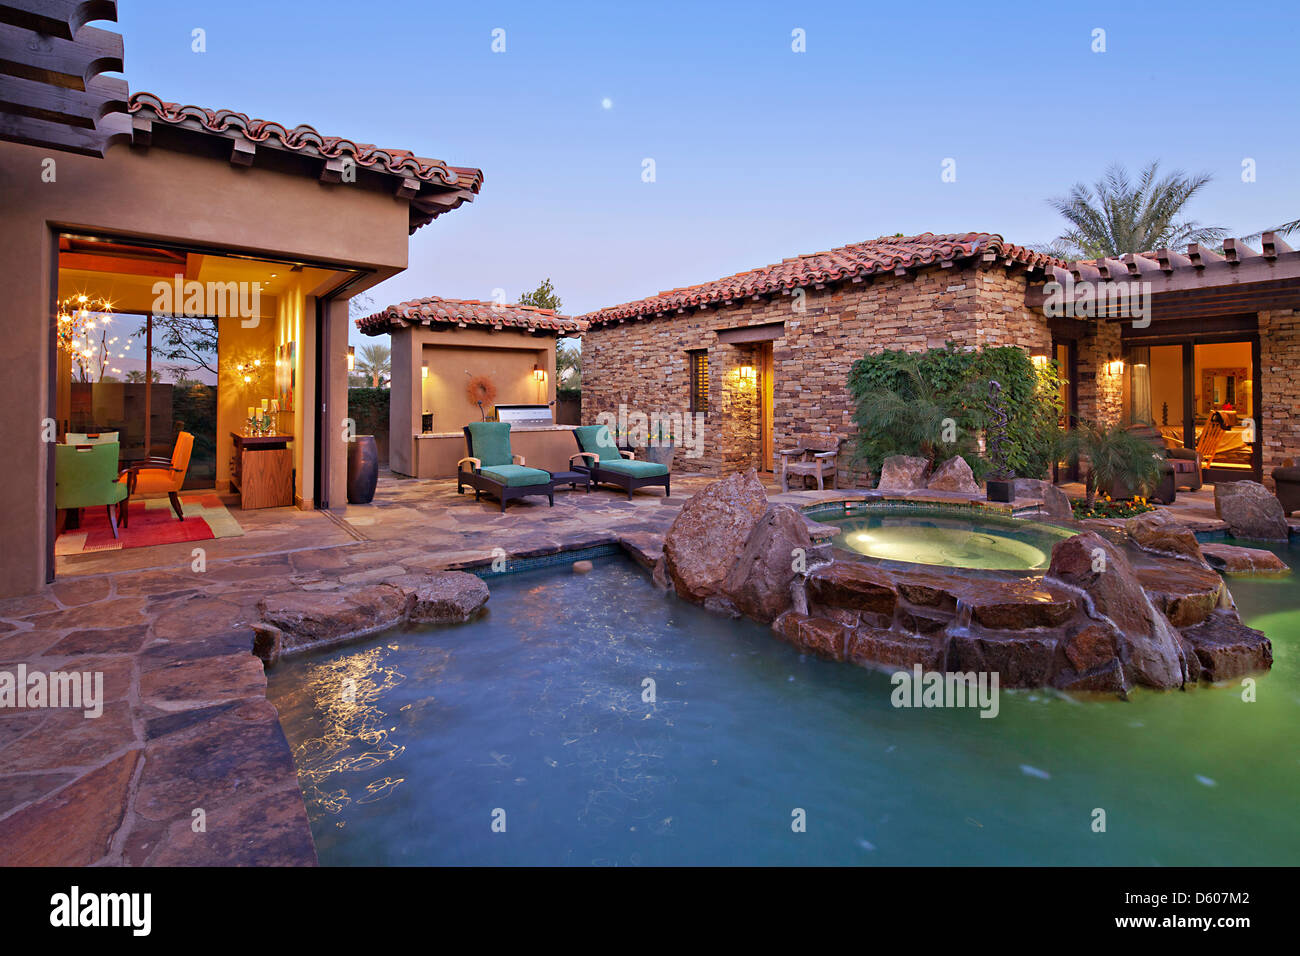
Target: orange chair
{"x": 160, "y": 474}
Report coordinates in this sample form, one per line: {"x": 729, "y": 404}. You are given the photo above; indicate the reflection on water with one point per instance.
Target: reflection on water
{"x": 612, "y": 724}
{"x": 353, "y": 737}
{"x": 918, "y": 536}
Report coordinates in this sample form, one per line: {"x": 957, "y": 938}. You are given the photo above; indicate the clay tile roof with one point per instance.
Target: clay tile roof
{"x": 432, "y": 310}
{"x": 882, "y": 255}
{"x": 306, "y": 140}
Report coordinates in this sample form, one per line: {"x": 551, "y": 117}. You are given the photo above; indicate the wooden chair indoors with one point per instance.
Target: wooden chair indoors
{"x": 157, "y": 475}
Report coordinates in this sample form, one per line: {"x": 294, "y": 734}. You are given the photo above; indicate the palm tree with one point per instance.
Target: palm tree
{"x": 1116, "y": 215}
{"x": 375, "y": 362}
{"x": 1283, "y": 230}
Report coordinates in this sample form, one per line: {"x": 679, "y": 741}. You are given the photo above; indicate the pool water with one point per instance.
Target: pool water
{"x": 930, "y": 536}
{"x": 409, "y": 747}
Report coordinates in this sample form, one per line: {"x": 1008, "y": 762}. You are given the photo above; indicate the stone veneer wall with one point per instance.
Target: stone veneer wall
{"x": 1101, "y": 391}
{"x": 1279, "y": 394}
{"x": 642, "y": 363}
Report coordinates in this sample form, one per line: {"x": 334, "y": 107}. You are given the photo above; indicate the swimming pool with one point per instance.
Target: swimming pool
{"x": 537, "y": 710}
{"x": 965, "y": 538}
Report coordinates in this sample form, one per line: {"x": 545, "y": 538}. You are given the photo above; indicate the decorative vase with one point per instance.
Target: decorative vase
{"x": 363, "y": 469}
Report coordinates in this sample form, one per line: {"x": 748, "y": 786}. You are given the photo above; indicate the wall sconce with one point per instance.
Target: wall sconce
{"x": 1114, "y": 366}
{"x": 424, "y": 370}
{"x": 352, "y": 358}
{"x": 1040, "y": 361}
{"x": 539, "y": 373}
{"x": 747, "y": 374}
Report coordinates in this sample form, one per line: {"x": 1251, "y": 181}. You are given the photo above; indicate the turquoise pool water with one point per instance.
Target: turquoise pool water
{"x": 536, "y": 709}
{"x": 931, "y": 536}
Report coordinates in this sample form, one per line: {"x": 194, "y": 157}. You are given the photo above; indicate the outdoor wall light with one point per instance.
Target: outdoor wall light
{"x": 539, "y": 373}
{"x": 746, "y": 373}
{"x": 1040, "y": 361}
{"x": 1114, "y": 366}
{"x": 352, "y": 358}
{"x": 424, "y": 370}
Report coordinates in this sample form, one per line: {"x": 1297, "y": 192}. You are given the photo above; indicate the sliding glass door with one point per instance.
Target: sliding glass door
{"x": 1201, "y": 394}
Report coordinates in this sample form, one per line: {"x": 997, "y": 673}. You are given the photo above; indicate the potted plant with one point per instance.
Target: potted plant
{"x": 1119, "y": 463}
{"x": 660, "y": 448}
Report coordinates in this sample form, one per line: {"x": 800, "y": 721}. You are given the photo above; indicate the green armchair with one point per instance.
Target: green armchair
{"x": 86, "y": 476}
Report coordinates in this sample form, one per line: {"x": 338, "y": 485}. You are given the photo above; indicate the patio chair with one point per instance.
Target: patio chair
{"x": 1186, "y": 462}
{"x": 492, "y": 468}
{"x": 158, "y": 475}
{"x": 606, "y": 464}
{"x": 1207, "y": 445}
{"x": 85, "y": 476}
{"x": 814, "y": 457}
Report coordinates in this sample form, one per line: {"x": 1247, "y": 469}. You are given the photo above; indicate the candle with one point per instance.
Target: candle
{"x": 252, "y": 411}
{"x": 266, "y": 403}
{"x": 275, "y": 404}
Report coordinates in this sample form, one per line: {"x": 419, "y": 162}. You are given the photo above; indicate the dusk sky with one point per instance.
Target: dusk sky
{"x": 759, "y": 152}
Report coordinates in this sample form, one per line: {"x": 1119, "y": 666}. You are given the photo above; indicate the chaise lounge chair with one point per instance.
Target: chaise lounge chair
{"x": 606, "y": 464}
{"x": 492, "y": 468}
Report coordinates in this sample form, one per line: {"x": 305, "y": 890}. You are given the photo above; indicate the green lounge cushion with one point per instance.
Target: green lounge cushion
{"x": 516, "y": 476}
{"x": 490, "y": 442}
{"x": 86, "y": 475}
{"x": 634, "y": 469}
{"x": 597, "y": 439}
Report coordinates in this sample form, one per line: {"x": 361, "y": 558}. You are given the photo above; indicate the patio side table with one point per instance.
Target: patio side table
{"x": 572, "y": 479}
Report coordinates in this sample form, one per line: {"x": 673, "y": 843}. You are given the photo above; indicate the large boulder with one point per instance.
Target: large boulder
{"x": 1056, "y": 503}
{"x": 1147, "y": 645}
{"x": 1224, "y": 647}
{"x": 1250, "y": 510}
{"x": 1161, "y": 533}
{"x": 709, "y": 535}
{"x": 901, "y": 473}
{"x": 954, "y": 475}
{"x": 759, "y": 583}
{"x": 307, "y": 618}
{"x": 1233, "y": 559}
{"x": 443, "y": 597}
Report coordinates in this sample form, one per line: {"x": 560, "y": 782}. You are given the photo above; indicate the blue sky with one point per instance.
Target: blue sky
{"x": 760, "y": 153}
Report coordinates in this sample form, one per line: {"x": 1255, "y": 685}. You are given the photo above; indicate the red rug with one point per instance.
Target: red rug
{"x": 152, "y": 523}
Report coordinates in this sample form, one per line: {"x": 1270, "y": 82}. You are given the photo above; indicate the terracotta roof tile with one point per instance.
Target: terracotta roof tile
{"x": 306, "y": 140}
{"x": 885, "y": 254}
{"x": 433, "y": 310}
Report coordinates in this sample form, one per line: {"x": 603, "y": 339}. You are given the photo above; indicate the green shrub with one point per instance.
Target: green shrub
{"x": 905, "y": 399}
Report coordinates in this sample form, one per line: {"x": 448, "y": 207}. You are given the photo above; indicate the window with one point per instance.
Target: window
{"x": 698, "y": 361}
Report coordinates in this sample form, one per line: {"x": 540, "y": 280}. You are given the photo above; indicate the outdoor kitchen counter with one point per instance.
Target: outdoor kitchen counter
{"x": 543, "y": 446}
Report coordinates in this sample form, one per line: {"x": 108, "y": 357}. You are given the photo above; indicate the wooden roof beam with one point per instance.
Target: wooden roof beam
{"x": 56, "y": 18}
{"x": 67, "y": 63}
{"x": 1201, "y": 255}
{"x": 1235, "y": 251}
{"x": 1274, "y": 246}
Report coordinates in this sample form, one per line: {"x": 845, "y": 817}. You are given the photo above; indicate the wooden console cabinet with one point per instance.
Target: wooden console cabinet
{"x": 261, "y": 472}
